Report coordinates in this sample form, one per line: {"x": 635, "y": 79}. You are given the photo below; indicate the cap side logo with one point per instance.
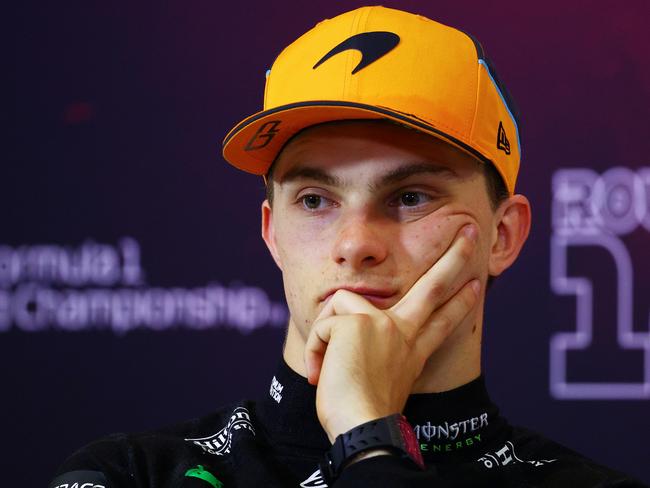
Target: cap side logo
{"x": 263, "y": 135}
{"x": 502, "y": 141}
{"x": 371, "y": 45}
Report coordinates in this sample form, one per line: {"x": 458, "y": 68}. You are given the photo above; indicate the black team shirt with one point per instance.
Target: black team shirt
{"x": 278, "y": 442}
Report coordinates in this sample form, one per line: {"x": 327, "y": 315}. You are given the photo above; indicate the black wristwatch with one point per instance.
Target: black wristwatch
{"x": 393, "y": 433}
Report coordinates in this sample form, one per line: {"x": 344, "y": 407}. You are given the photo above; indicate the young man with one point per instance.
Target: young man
{"x": 390, "y": 152}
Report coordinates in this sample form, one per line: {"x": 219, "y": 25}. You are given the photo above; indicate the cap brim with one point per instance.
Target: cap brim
{"x": 253, "y": 144}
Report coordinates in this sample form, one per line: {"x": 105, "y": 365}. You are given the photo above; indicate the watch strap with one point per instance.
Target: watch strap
{"x": 392, "y": 433}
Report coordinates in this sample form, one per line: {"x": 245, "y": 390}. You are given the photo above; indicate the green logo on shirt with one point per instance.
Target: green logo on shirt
{"x": 201, "y": 473}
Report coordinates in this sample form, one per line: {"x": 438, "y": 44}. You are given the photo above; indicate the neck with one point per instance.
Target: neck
{"x": 455, "y": 363}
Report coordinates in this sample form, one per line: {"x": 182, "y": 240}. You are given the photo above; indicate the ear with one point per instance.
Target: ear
{"x": 512, "y": 220}
{"x": 268, "y": 232}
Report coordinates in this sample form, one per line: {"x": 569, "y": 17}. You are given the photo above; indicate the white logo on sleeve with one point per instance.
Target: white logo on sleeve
{"x": 219, "y": 443}
{"x": 79, "y": 485}
{"x": 316, "y": 480}
{"x": 80, "y": 479}
{"x": 276, "y": 390}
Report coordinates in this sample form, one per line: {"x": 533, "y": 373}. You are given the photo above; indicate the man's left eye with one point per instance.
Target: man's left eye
{"x": 412, "y": 198}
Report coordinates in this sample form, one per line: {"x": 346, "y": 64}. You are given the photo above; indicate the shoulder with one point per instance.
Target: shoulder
{"x": 164, "y": 455}
{"x": 558, "y": 464}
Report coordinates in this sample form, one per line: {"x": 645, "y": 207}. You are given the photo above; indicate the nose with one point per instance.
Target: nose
{"x": 359, "y": 243}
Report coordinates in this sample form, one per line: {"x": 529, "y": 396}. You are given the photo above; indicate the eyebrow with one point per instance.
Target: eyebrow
{"x": 403, "y": 172}
{"x": 398, "y": 174}
{"x": 310, "y": 173}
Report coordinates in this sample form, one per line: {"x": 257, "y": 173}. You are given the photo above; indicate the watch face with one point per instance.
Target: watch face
{"x": 410, "y": 442}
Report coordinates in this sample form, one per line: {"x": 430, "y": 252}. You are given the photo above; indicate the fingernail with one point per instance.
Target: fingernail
{"x": 476, "y": 286}
{"x": 470, "y": 232}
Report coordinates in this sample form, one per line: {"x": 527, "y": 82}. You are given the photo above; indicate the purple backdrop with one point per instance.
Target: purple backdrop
{"x": 135, "y": 290}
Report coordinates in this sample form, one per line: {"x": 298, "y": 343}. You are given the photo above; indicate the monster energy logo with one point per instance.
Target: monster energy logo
{"x": 449, "y": 431}
{"x": 451, "y": 446}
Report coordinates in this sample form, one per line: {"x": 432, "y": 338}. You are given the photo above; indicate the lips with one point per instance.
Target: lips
{"x": 377, "y": 296}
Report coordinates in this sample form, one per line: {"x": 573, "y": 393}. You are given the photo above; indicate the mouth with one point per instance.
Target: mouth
{"x": 379, "y": 297}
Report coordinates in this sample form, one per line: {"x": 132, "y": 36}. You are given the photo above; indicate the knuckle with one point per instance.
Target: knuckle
{"x": 438, "y": 288}
{"x": 466, "y": 250}
{"x": 361, "y": 319}
{"x": 469, "y": 298}
{"x": 385, "y": 323}
{"x": 412, "y": 340}
{"x": 420, "y": 360}
{"x": 445, "y": 324}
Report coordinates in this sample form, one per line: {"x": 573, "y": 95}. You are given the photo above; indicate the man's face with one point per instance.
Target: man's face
{"x": 370, "y": 207}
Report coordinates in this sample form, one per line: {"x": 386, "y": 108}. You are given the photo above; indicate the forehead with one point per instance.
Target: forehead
{"x": 368, "y": 148}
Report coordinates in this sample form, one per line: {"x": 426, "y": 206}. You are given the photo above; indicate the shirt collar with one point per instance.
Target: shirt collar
{"x": 452, "y": 425}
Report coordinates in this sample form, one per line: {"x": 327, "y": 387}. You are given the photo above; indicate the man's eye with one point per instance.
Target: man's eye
{"x": 312, "y": 202}
{"x": 412, "y": 198}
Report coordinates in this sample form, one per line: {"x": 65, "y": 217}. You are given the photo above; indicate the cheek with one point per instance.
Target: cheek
{"x": 302, "y": 253}
{"x": 430, "y": 236}
{"x": 299, "y": 245}
{"x": 426, "y": 240}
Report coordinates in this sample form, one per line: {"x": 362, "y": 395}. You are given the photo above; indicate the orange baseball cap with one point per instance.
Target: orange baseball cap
{"x": 382, "y": 63}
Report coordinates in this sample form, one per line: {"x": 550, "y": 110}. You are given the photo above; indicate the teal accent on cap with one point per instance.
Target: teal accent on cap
{"x": 503, "y": 99}
{"x": 200, "y": 472}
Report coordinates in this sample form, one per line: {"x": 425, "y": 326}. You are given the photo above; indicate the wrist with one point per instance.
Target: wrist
{"x": 347, "y": 419}
{"x": 369, "y": 454}
{"x": 391, "y": 435}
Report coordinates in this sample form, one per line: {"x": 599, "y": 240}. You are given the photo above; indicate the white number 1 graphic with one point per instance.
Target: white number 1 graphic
{"x": 578, "y": 195}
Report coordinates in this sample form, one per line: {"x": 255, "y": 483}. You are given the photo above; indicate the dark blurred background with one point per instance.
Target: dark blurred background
{"x": 135, "y": 290}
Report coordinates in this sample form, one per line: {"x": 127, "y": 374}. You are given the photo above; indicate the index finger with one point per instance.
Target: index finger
{"x": 438, "y": 283}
